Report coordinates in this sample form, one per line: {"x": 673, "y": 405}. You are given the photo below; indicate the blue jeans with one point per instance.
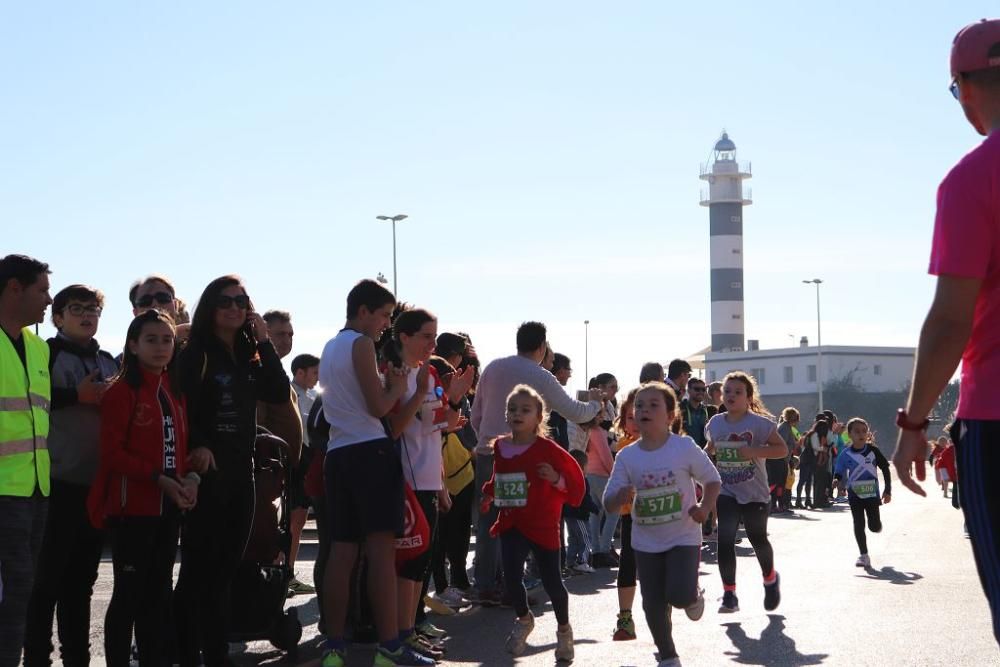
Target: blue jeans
{"x": 487, "y": 547}
{"x": 579, "y": 548}
{"x": 601, "y": 537}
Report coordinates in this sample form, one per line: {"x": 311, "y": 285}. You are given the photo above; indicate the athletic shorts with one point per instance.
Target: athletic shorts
{"x": 364, "y": 490}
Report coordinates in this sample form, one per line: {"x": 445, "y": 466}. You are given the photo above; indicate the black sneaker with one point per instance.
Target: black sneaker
{"x": 730, "y": 603}
{"x": 772, "y": 593}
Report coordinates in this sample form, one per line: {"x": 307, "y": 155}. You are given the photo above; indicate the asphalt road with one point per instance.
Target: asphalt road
{"x": 919, "y": 604}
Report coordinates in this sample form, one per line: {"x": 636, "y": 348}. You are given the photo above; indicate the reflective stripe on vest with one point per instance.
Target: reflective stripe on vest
{"x": 24, "y": 404}
{"x": 25, "y": 392}
{"x": 23, "y": 446}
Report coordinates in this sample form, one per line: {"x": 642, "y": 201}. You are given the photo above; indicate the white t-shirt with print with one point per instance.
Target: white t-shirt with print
{"x": 420, "y": 444}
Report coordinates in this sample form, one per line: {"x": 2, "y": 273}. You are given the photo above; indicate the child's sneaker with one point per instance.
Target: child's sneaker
{"x": 697, "y": 608}
{"x": 333, "y": 658}
{"x": 404, "y": 656}
{"x": 730, "y": 603}
{"x": 584, "y": 568}
{"x": 564, "y": 645}
{"x": 863, "y": 561}
{"x": 517, "y": 640}
{"x": 672, "y": 662}
{"x": 423, "y": 647}
{"x": 772, "y": 593}
{"x": 428, "y": 629}
{"x": 625, "y": 628}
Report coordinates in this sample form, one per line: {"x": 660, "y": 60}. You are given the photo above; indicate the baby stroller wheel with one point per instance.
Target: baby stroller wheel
{"x": 287, "y": 631}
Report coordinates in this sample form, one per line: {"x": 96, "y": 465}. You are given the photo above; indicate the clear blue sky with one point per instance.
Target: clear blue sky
{"x": 546, "y": 153}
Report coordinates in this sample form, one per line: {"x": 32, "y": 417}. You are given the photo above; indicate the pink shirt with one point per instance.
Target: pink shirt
{"x": 599, "y": 461}
{"x": 967, "y": 245}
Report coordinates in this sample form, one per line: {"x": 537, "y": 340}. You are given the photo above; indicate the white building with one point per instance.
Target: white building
{"x": 792, "y": 373}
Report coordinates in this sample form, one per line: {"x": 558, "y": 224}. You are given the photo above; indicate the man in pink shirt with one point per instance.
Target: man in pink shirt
{"x": 964, "y": 319}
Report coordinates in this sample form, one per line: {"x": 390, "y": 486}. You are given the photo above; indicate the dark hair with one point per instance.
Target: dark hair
{"x": 714, "y": 386}
{"x": 281, "y": 316}
{"x": 988, "y": 77}
{"x": 530, "y": 337}
{"x": 677, "y": 368}
{"x": 304, "y": 361}
{"x": 155, "y": 278}
{"x": 603, "y": 378}
{"x": 131, "y": 371}
{"x": 82, "y": 293}
{"x": 830, "y": 416}
{"x": 696, "y": 381}
{"x": 449, "y": 344}
{"x": 203, "y": 322}
{"x": 652, "y": 371}
{"x": 369, "y": 294}
{"x": 441, "y": 365}
{"x": 405, "y": 320}
{"x": 22, "y": 268}
{"x": 579, "y": 456}
{"x": 559, "y": 362}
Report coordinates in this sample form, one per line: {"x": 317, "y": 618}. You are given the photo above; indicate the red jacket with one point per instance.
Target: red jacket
{"x": 539, "y": 520}
{"x": 132, "y": 449}
{"x": 946, "y": 460}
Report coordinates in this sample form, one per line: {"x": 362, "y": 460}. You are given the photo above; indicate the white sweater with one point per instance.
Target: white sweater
{"x": 489, "y": 411}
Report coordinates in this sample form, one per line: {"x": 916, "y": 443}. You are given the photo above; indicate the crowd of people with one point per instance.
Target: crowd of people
{"x": 410, "y": 446}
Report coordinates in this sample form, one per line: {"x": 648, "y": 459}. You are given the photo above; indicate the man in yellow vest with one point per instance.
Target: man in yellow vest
{"x": 25, "y": 391}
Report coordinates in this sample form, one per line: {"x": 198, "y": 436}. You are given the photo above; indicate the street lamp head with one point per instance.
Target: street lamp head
{"x": 816, "y": 281}
{"x": 392, "y": 218}
{"x": 586, "y": 321}
{"x": 382, "y": 217}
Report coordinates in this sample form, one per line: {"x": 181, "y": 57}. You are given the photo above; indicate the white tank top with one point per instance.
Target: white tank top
{"x": 343, "y": 403}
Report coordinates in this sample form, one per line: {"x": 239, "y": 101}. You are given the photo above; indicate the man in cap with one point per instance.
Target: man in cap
{"x": 964, "y": 318}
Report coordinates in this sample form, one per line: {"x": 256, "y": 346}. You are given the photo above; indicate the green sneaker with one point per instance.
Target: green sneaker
{"x": 428, "y": 629}
{"x": 334, "y": 658}
{"x": 625, "y": 629}
{"x": 402, "y": 656}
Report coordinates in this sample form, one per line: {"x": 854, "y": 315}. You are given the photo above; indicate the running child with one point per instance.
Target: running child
{"x": 628, "y": 433}
{"x": 657, "y": 477}
{"x": 856, "y": 472}
{"x": 742, "y": 438}
{"x": 142, "y": 486}
{"x": 533, "y": 477}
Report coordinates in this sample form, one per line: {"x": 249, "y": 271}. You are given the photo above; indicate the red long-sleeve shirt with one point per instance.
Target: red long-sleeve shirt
{"x": 539, "y": 519}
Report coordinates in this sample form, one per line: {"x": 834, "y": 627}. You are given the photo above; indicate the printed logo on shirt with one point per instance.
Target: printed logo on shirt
{"x": 143, "y": 414}
{"x": 732, "y": 467}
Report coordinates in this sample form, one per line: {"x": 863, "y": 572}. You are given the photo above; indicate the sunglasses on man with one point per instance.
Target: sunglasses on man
{"x": 162, "y": 298}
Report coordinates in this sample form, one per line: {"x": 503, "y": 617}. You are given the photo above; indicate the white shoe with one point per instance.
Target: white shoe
{"x": 585, "y": 568}
{"x": 517, "y": 640}
{"x": 863, "y": 561}
{"x": 697, "y": 608}
{"x": 564, "y": 645}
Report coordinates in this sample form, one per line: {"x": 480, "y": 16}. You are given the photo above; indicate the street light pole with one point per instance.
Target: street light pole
{"x": 586, "y": 352}
{"x": 819, "y": 343}
{"x": 394, "y": 219}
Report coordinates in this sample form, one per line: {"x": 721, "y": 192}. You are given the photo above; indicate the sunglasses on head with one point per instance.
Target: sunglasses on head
{"x": 242, "y": 301}
{"x": 146, "y": 300}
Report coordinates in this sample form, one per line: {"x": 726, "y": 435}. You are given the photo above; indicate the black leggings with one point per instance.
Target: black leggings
{"x": 143, "y": 550}
{"x": 754, "y": 517}
{"x": 626, "y": 564}
{"x": 455, "y": 531}
{"x": 514, "y": 549}
{"x": 859, "y": 508}
{"x": 319, "y": 567}
{"x": 806, "y": 474}
{"x": 668, "y": 579}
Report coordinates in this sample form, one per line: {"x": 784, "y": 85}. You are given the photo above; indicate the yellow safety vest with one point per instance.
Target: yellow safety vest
{"x": 24, "y": 417}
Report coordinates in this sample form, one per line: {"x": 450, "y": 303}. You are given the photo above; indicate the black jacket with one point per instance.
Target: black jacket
{"x": 586, "y": 507}
{"x": 222, "y": 395}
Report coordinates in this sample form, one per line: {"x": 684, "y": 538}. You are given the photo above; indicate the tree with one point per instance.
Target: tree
{"x": 847, "y": 398}
{"x": 946, "y": 406}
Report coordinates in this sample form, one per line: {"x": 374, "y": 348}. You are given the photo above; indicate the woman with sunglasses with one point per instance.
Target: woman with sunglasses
{"x": 156, "y": 291}
{"x": 228, "y": 365}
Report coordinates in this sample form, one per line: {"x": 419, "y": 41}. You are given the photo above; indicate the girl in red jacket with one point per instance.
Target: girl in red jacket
{"x": 533, "y": 477}
{"x": 142, "y": 487}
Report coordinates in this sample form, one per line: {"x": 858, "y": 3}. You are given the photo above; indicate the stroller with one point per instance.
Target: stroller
{"x": 260, "y": 586}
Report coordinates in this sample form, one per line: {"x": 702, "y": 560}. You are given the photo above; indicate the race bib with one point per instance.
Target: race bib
{"x": 510, "y": 489}
{"x": 657, "y": 505}
{"x": 729, "y": 457}
{"x": 864, "y": 490}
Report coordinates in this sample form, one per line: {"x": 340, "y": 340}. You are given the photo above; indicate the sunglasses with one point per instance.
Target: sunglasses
{"x": 690, "y": 388}
{"x": 954, "y": 88}
{"x": 77, "y": 309}
{"x": 242, "y": 301}
{"x": 162, "y": 298}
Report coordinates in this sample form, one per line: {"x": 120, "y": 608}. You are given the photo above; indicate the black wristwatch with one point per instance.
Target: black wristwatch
{"x": 457, "y": 407}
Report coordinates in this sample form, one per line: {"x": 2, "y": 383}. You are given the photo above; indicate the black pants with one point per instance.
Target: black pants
{"x": 859, "y": 509}
{"x": 454, "y": 532}
{"x": 978, "y": 459}
{"x": 319, "y": 567}
{"x": 22, "y": 527}
{"x": 626, "y": 559}
{"x": 667, "y": 579}
{"x": 777, "y": 474}
{"x": 213, "y": 539}
{"x": 514, "y": 549}
{"x": 143, "y": 550}
{"x": 806, "y": 475}
{"x": 64, "y": 580}
{"x": 754, "y": 518}
{"x": 822, "y": 485}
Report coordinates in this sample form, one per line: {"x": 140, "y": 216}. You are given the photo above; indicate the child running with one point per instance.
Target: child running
{"x": 657, "y": 475}
{"x": 532, "y": 478}
{"x": 856, "y": 471}
{"x": 142, "y": 486}
{"x": 742, "y": 438}
{"x": 628, "y": 433}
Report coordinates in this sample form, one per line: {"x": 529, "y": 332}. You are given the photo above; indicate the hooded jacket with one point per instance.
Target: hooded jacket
{"x": 133, "y": 448}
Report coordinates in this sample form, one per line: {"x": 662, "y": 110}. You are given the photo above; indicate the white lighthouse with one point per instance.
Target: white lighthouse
{"x": 725, "y": 199}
